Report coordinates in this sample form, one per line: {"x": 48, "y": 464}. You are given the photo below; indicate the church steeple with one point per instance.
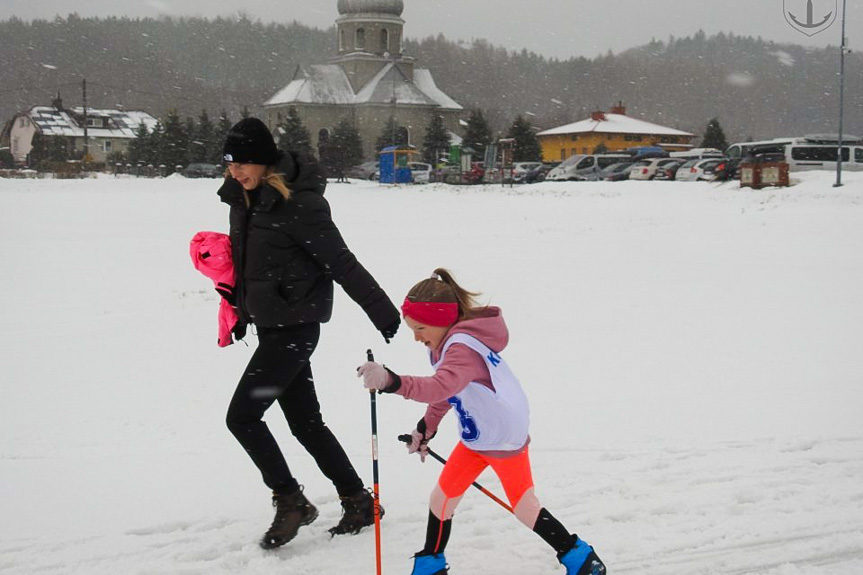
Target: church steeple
{"x": 370, "y": 37}
{"x": 370, "y": 27}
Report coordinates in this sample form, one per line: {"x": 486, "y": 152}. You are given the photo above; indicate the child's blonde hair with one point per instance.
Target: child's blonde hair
{"x": 443, "y": 288}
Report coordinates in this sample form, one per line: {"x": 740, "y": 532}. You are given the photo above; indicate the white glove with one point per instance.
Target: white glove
{"x": 418, "y": 444}
{"x": 375, "y": 376}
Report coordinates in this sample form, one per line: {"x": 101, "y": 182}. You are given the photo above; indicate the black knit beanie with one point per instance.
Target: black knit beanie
{"x": 250, "y": 142}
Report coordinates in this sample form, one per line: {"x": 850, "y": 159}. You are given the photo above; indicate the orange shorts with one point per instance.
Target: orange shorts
{"x": 464, "y": 466}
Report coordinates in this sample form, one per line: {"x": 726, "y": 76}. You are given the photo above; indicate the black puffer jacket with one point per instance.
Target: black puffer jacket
{"x": 287, "y": 253}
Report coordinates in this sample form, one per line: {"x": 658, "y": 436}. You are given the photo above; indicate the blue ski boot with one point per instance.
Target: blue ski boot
{"x": 581, "y": 560}
{"x": 434, "y": 564}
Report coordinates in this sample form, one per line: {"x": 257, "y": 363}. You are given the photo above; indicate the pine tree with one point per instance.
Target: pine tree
{"x": 204, "y": 144}
{"x": 138, "y": 146}
{"x": 347, "y": 137}
{"x": 714, "y": 137}
{"x": 293, "y": 134}
{"x": 527, "y": 148}
{"x": 47, "y": 150}
{"x": 154, "y": 149}
{"x": 6, "y": 158}
{"x": 344, "y": 149}
{"x": 392, "y": 135}
{"x": 175, "y": 142}
{"x": 478, "y": 133}
{"x": 436, "y": 142}
{"x": 191, "y": 132}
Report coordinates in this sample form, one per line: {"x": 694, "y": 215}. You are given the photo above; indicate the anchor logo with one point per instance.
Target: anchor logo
{"x": 810, "y": 24}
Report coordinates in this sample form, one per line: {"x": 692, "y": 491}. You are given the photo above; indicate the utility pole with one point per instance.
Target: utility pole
{"x": 842, "y": 50}
{"x": 86, "y": 135}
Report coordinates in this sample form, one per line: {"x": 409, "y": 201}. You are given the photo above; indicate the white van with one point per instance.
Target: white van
{"x": 697, "y": 154}
{"x": 812, "y": 152}
{"x": 743, "y": 149}
{"x": 580, "y": 167}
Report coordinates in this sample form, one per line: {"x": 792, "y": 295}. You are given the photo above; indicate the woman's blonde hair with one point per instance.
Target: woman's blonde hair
{"x": 276, "y": 180}
{"x": 273, "y": 178}
{"x": 442, "y": 287}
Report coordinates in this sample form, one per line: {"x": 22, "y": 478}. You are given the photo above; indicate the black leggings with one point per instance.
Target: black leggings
{"x": 280, "y": 371}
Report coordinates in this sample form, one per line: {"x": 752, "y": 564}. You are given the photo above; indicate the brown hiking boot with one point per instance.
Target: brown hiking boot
{"x": 292, "y": 512}
{"x": 358, "y": 511}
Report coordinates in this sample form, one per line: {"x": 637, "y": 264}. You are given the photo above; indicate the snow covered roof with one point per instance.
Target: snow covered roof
{"x": 328, "y": 84}
{"x": 115, "y": 123}
{"x": 321, "y": 84}
{"x": 390, "y": 83}
{"x": 426, "y": 83}
{"x": 614, "y": 124}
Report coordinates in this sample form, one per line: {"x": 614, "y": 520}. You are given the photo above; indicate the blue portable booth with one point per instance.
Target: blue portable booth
{"x": 394, "y": 165}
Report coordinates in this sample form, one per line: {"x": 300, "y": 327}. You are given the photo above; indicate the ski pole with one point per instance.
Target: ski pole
{"x": 377, "y": 497}
{"x": 408, "y": 439}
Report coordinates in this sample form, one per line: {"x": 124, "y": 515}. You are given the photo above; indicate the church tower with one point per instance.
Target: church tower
{"x": 368, "y": 82}
{"x": 370, "y": 36}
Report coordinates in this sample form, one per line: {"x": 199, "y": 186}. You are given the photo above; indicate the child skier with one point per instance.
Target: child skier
{"x": 463, "y": 341}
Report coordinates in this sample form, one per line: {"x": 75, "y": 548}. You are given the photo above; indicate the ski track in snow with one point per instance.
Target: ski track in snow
{"x": 689, "y": 416}
{"x": 765, "y": 507}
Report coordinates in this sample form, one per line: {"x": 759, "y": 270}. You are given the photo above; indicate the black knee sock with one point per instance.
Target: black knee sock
{"x": 553, "y": 532}
{"x": 437, "y": 535}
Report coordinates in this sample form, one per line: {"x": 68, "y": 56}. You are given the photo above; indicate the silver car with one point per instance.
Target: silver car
{"x": 697, "y": 170}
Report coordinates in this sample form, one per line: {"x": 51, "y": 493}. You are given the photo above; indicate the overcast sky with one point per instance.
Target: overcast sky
{"x": 556, "y": 28}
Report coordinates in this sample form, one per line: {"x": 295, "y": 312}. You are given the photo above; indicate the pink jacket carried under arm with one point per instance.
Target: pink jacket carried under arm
{"x": 211, "y": 255}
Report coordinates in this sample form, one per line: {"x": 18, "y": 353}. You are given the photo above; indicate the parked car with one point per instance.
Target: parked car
{"x": 646, "y": 169}
{"x": 538, "y": 174}
{"x": 364, "y": 171}
{"x": 616, "y": 172}
{"x": 580, "y": 167}
{"x": 420, "y": 172}
{"x": 520, "y": 170}
{"x": 697, "y": 170}
{"x": 669, "y": 171}
{"x": 203, "y": 171}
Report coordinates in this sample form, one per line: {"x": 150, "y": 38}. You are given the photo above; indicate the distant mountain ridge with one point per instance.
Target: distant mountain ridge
{"x": 757, "y": 89}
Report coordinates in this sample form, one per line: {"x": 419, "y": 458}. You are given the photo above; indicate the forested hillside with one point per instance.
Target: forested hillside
{"x": 756, "y": 88}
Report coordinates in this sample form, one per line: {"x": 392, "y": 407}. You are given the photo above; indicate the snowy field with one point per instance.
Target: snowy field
{"x": 693, "y": 354}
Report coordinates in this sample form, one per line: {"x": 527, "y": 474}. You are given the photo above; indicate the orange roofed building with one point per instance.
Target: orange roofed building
{"x": 614, "y": 130}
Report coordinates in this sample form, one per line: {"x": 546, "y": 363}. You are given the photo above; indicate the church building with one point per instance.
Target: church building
{"x": 370, "y": 81}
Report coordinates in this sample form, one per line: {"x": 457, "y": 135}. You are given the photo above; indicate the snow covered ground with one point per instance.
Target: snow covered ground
{"x": 692, "y": 353}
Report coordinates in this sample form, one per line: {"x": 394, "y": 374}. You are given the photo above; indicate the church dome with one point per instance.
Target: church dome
{"x": 394, "y": 7}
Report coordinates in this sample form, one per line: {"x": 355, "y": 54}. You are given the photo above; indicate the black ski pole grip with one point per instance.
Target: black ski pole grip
{"x": 405, "y": 438}
{"x": 369, "y": 355}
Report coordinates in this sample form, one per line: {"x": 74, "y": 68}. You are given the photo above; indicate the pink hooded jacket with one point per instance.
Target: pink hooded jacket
{"x": 211, "y": 255}
{"x": 461, "y": 365}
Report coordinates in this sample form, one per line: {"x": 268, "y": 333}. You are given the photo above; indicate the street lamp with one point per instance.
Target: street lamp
{"x": 842, "y": 51}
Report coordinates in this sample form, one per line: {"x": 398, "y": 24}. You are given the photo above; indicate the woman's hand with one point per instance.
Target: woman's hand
{"x": 389, "y": 332}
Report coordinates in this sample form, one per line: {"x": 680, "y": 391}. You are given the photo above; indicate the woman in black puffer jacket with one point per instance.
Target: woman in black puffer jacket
{"x": 287, "y": 253}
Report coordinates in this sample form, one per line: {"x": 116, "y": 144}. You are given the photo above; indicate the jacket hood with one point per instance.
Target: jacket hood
{"x": 488, "y": 327}
{"x": 302, "y": 173}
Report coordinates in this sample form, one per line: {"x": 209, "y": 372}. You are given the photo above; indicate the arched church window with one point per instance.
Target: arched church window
{"x": 402, "y": 136}
{"x": 361, "y": 38}
{"x": 385, "y": 40}
{"x": 323, "y": 137}
{"x": 342, "y": 40}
